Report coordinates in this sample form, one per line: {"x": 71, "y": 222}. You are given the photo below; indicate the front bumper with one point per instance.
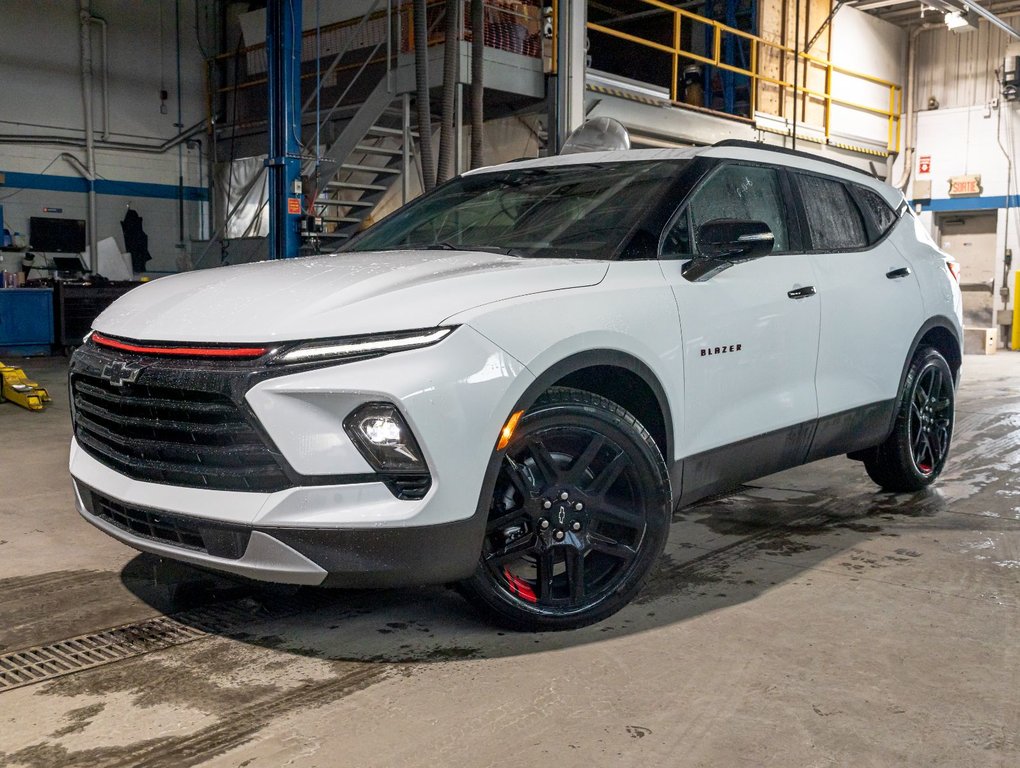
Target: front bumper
{"x": 346, "y": 528}
{"x": 356, "y": 558}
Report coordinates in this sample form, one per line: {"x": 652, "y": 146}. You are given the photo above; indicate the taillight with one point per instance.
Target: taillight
{"x": 954, "y": 270}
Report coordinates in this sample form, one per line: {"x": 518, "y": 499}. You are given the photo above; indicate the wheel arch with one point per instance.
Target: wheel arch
{"x": 619, "y": 377}
{"x": 941, "y": 334}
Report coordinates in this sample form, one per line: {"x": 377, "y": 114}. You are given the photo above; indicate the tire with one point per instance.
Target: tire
{"x": 915, "y": 453}
{"x": 578, "y": 516}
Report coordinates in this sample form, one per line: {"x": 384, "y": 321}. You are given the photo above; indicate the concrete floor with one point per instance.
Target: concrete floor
{"x": 807, "y": 620}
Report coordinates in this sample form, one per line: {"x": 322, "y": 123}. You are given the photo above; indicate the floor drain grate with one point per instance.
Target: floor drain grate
{"x": 35, "y": 665}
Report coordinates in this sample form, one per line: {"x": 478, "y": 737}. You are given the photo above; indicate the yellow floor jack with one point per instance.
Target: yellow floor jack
{"x": 17, "y": 388}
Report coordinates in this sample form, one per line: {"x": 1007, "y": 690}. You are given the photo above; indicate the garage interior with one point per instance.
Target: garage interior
{"x": 803, "y": 619}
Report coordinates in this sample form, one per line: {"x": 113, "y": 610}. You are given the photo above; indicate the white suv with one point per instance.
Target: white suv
{"x": 511, "y": 382}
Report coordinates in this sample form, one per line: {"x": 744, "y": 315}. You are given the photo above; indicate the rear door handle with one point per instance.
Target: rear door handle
{"x": 802, "y": 293}
{"x": 897, "y": 273}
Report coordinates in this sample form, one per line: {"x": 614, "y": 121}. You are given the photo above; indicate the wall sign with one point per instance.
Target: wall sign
{"x": 965, "y": 185}
{"x": 924, "y": 164}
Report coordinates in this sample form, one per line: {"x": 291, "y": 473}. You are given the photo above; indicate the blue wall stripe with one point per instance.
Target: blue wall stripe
{"x": 16, "y": 180}
{"x": 970, "y": 203}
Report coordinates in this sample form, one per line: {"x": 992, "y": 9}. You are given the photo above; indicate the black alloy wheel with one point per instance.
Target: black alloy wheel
{"x": 578, "y": 517}
{"x": 916, "y": 452}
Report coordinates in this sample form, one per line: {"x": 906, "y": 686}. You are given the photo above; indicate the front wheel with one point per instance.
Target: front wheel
{"x": 578, "y": 517}
{"x": 916, "y": 451}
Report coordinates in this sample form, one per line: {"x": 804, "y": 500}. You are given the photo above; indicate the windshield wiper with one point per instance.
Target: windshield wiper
{"x": 448, "y": 246}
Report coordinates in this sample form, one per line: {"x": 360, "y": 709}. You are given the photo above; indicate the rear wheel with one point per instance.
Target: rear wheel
{"x": 915, "y": 453}
{"x": 578, "y": 516}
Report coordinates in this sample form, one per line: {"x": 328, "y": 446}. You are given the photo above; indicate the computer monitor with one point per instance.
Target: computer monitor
{"x": 67, "y": 264}
{"x": 53, "y": 235}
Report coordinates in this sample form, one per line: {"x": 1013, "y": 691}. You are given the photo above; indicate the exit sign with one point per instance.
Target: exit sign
{"x": 965, "y": 185}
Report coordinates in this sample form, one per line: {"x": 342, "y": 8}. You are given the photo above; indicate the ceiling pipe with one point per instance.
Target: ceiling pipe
{"x": 991, "y": 18}
{"x": 70, "y": 141}
{"x": 910, "y": 126}
{"x": 85, "y": 18}
{"x": 101, "y": 23}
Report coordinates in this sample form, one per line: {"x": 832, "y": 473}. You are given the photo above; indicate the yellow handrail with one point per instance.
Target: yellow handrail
{"x": 676, "y": 52}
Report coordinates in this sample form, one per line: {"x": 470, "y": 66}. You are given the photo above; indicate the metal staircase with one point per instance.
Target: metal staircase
{"x": 374, "y": 149}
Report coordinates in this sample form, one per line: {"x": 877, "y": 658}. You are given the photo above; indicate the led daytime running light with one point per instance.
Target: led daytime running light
{"x": 366, "y": 345}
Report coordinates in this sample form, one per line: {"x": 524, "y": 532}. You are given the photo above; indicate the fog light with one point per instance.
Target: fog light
{"x": 384, "y": 438}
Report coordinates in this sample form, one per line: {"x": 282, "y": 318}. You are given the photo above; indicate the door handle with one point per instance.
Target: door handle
{"x": 802, "y": 293}
{"x": 897, "y": 273}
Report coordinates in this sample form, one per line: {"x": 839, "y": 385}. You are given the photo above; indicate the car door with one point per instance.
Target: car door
{"x": 749, "y": 337}
{"x": 870, "y": 310}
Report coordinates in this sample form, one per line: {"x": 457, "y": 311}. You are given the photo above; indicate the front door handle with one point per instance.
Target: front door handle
{"x": 897, "y": 273}
{"x": 802, "y": 293}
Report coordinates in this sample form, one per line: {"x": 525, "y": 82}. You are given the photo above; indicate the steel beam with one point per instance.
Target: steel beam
{"x": 283, "y": 50}
{"x": 571, "y": 60}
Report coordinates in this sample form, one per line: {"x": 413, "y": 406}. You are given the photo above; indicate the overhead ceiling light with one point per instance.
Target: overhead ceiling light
{"x": 960, "y": 21}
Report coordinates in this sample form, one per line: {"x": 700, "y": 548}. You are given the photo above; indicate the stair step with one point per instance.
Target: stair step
{"x": 353, "y": 203}
{"x": 340, "y": 219}
{"x": 356, "y": 185}
{"x": 367, "y": 149}
{"x": 380, "y": 130}
{"x": 344, "y": 235}
{"x": 369, "y": 168}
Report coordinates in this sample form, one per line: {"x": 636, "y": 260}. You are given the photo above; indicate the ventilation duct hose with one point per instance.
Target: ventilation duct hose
{"x": 477, "y": 84}
{"x": 421, "y": 79}
{"x": 451, "y": 43}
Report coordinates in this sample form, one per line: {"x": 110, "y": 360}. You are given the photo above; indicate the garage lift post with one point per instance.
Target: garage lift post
{"x": 283, "y": 51}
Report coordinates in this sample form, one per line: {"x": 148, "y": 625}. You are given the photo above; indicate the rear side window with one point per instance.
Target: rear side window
{"x": 834, "y": 221}
{"x": 875, "y": 207}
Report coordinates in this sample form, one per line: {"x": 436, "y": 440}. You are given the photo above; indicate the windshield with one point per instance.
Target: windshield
{"x": 584, "y": 211}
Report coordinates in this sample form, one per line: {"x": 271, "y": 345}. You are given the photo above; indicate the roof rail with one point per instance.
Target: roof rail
{"x": 787, "y": 151}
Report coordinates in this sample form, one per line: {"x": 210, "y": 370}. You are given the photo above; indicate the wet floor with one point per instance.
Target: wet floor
{"x": 807, "y": 619}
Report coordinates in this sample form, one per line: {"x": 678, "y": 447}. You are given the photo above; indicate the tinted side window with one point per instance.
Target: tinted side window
{"x": 881, "y": 215}
{"x": 744, "y": 192}
{"x": 833, "y": 218}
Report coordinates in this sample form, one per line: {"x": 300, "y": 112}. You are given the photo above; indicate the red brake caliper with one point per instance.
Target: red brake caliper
{"x": 519, "y": 587}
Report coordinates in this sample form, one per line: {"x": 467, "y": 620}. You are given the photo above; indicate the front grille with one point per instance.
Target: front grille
{"x": 176, "y": 436}
{"x": 167, "y": 528}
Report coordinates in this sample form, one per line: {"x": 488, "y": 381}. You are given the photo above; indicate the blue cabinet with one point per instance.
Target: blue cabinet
{"x": 26, "y": 321}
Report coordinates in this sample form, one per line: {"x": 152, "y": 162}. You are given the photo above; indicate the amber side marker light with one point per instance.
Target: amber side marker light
{"x": 508, "y": 430}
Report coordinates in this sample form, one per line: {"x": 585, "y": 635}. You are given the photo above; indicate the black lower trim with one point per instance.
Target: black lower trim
{"x": 724, "y": 468}
{"x": 853, "y": 430}
{"x": 721, "y": 469}
{"x": 389, "y": 557}
{"x": 352, "y": 557}
{"x": 194, "y": 533}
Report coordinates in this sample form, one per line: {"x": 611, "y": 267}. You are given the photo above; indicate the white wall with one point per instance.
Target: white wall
{"x": 854, "y": 32}
{"x": 966, "y": 140}
{"x": 41, "y": 95}
{"x": 958, "y": 68}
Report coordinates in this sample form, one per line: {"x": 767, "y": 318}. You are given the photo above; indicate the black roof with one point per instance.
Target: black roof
{"x": 787, "y": 151}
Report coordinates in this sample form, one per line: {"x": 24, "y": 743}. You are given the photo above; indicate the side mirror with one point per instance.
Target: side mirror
{"x": 725, "y": 242}
{"x": 735, "y": 239}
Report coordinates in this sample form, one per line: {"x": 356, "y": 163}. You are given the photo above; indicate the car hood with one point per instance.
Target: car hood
{"x": 336, "y": 295}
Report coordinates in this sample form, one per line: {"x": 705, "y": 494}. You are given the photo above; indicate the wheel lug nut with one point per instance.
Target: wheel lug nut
{"x": 543, "y": 523}
{"x": 559, "y": 535}
{"x": 579, "y": 506}
{"x": 546, "y": 504}
{"x": 564, "y": 496}
{"x": 575, "y": 526}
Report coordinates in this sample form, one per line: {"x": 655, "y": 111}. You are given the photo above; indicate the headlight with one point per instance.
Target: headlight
{"x": 362, "y": 346}
{"x": 384, "y": 438}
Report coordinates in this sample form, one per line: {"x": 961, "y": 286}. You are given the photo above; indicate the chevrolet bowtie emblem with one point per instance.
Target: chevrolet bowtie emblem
{"x": 120, "y": 372}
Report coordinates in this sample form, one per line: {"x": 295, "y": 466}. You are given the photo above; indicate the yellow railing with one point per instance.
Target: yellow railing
{"x": 890, "y": 112}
